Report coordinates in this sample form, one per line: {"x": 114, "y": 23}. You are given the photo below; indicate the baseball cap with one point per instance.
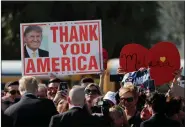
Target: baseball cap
{"x": 110, "y": 96}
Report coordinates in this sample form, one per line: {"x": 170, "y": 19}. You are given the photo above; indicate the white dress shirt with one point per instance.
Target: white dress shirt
{"x": 30, "y": 52}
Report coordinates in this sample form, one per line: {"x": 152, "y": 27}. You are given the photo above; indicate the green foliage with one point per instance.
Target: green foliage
{"x": 122, "y": 22}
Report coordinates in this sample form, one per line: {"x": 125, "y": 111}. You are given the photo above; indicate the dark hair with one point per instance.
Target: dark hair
{"x": 55, "y": 80}
{"x": 157, "y": 101}
{"x": 173, "y": 106}
{"x": 32, "y": 28}
{"x": 8, "y": 84}
{"x": 87, "y": 80}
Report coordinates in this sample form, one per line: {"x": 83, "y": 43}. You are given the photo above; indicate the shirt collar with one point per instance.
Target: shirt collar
{"x": 31, "y": 51}
{"x": 76, "y": 107}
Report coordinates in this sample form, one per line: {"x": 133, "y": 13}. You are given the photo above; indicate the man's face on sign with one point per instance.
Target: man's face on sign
{"x": 33, "y": 40}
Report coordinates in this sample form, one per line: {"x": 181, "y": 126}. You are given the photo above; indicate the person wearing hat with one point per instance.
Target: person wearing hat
{"x": 110, "y": 97}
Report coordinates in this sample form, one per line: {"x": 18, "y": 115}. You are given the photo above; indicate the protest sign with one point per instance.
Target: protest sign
{"x": 137, "y": 77}
{"x": 63, "y": 48}
{"x": 133, "y": 57}
{"x": 162, "y": 63}
{"x": 163, "y": 60}
{"x": 105, "y": 58}
{"x": 141, "y": 79}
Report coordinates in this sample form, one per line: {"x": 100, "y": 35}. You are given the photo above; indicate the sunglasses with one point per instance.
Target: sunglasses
{"x": 91, "y": 92}
{"x": 13, "y": 92}
{"x": 129, "y": 99}
{"x": 52, "y": 88}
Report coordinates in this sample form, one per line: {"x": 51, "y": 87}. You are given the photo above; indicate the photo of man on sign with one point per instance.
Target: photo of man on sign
{"x": 32, "y": 40}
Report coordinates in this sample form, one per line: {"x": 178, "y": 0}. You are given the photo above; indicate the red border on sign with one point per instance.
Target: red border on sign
{"x": 86, "y": 72}
{"x": 74, "y": 23}
{"x": 98, "y": 41}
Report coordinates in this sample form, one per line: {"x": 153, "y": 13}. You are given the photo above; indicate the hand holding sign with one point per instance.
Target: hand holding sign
{"x": 162, "y": 63}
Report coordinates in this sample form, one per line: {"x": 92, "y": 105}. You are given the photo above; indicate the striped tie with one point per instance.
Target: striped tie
{"x": 34, "y": 54}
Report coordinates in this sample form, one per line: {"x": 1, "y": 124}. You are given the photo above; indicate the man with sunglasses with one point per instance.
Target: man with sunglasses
{"x": 11, "y": 93}
{"x": 53, "y": 88}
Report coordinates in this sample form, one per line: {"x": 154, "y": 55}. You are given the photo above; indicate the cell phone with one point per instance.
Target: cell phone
{"x": 63, "y": 86}
{"x": 116, "y": 78}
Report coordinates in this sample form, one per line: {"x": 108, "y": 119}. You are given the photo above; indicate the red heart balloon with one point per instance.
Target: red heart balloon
{"x": 133, "y": 57}
{"x": 105, "y": 58}
{"x": 164, "y": 60}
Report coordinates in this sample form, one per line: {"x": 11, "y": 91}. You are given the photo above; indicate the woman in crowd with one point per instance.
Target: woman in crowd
{"x": 118, "y": 117}
{"x": 62, "y": 106}
{"x": 92, "y": 91}
{"x": 128, "y": 100}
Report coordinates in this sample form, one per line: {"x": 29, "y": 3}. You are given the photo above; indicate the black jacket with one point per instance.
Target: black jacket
{"x": 31, "y": 112}
{"x": 160, "y": 120}
{"x": 42, "y": 53}
{"x": 77, "y": 117}
{"x": 6, "y": 121}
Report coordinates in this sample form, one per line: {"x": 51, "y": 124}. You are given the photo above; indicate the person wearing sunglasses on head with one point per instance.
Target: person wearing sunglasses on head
{"x": 92, "y": 91}
{"x": 128, "y": 100}
{"x": 11, "y": 93}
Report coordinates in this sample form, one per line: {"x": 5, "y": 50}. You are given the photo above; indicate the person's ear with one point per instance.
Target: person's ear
{"x": 68, "y": 100}
{"x": 24, "y": 39}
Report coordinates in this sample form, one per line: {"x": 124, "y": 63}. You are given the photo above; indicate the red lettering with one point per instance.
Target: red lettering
{"x": 87, "y": 47}
{"x": 92, "y": 63}
{"x": 82, "y": 67}
{"x": 43, "y": 66}
{"x": 30, "y": 66}
{"x": 66, "y": 63}
{"x": 74, "y": 63}
{"x": 64, "y": 34}
{"x": 55, "y": 64}
{"x": 73, "y": 35}
{"x": 75, "y": 49}
{"x": 92, "y": 32}
{"x": 64, "y": 48}
{"x": 83, "y": 33}
{"x": 54, "y": 30}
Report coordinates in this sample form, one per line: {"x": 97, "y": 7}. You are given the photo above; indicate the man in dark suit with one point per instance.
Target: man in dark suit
{"x": 6, "y": 121}
{"x": 31, "y": 111}
{"x": 157, "y": 104}
{"x": 32, "y": 40}
{"x": 77, "y": 116}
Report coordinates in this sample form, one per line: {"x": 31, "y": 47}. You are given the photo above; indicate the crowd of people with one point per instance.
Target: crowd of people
{"x": 29, "y": 103}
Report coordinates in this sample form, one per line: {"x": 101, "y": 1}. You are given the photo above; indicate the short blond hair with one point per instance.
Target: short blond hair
{"x": 128, "y": 88}
{"x": 28, "y": 84}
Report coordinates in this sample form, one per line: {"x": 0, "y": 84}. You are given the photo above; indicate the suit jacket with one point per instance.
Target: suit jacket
{"x": 160, "y": 120}
{"x": 6, "y": 121}
{"x": 42, "y": 53}
{"x": 76, "y": 117}
{"x": 31, "y": 112}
